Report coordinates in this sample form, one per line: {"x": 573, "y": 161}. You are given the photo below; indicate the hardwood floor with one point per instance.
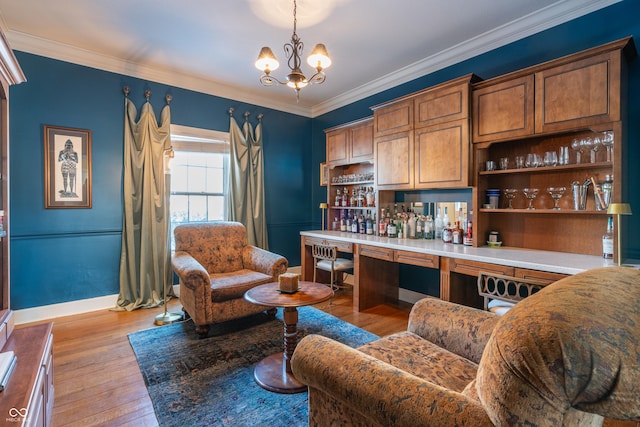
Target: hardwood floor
{"x": 96, "y": 376}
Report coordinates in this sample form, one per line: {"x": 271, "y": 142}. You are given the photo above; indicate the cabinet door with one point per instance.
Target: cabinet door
{"x": 442, "y": 105}
{"x": 504, "y": 110}
{"x": 578, "y": 94}
{"x": 394, "y": 161}
{"x": 337, "y": 146}
{"x": 442, "y": 155}
{"x": 361, "y": 138}
{"x": 393, "y": 118}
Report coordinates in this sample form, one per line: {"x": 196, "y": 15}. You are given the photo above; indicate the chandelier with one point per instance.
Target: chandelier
{"x": 319, "y": 59}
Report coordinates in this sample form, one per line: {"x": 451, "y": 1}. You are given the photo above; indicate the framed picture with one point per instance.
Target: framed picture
{"x": 324, "y": 174}
{"x": 67, "y": 167}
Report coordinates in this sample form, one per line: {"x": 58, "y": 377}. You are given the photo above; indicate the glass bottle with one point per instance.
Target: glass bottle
{"x": 338, "y": 201}
{"x": 447, "y": 234}
{"x": 439, "y": 225}
{"x": 420, "y": 227}
{"x": 382, "y": 226}
{"x": 429, "y": 232}
{"x": 607, "y": 240}
{"x": 370, "y": 223}
{"x": 468, "y": 237}
{"x": 345, "y": 197}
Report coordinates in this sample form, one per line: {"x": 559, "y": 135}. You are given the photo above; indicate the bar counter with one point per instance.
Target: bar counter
{"x": 376, "y": 262}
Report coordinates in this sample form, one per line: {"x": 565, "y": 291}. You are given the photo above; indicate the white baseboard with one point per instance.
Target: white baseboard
{"x": 48, "y": 312}
{"x": 410, "y": 296}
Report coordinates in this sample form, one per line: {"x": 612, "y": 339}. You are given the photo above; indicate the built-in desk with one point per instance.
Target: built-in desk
{"x": 376, "y": 261}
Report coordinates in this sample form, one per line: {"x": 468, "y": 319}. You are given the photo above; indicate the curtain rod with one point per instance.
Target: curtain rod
{"x": 147, "y": 94}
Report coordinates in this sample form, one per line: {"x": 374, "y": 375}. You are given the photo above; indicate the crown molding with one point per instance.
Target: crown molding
{"x": 555, "y": 14}
{"x": 10, "y": 70}
{"x": 543, "y": 19}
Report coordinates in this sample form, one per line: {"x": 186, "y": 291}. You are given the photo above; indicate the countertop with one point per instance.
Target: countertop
{"x": 555, "y": 262}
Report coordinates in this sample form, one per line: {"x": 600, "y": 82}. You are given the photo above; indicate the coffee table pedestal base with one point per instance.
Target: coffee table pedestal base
{"x": 271, "y": 374}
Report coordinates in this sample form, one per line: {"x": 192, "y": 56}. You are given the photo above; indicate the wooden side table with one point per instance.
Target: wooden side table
{"x": 274, "y": 372}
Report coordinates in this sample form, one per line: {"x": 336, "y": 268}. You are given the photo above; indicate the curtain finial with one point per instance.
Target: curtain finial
{"x": 246, "y": 116}
{"x": 260, "y": 116}
{"x": 126, "y": 91}
{"x": 147, "y": 94}
{"x": 168, "y": 98}
{"x": 230, "y": 111}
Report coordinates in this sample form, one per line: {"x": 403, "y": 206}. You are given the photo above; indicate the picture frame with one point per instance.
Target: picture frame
{"x": 324, "y": 174}
{"x": 67, "y": 168}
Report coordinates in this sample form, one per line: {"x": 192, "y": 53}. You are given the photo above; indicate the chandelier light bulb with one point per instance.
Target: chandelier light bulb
{"x": 319, "y": 57}
{"x": 267, "y": 61}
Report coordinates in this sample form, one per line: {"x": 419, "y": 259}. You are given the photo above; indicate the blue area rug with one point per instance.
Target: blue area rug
{"x": 209, "y": 382}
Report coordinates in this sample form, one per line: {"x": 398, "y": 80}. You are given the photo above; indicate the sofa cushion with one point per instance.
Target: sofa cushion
{"x": 227, "y": 286}
{"x": 413, "y": 354}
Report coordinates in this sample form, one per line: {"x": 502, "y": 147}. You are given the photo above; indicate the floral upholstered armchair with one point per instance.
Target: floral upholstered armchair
{"x": 568, "y": 355}
{"x": 216, "y": 267}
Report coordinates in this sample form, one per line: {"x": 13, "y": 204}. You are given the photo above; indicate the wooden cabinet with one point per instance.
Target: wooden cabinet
{"x": 442, "y": 155}
{"x": 573, "y": 92}
{"x": 30, "y": 391}
{"x": 394, "y": 161}
{"x": 350, "y": 169}
{"x": 580, "y": 93}
{"x": 393, "y": 117}
{"x": 350, "y": 143}
{"x": 576, "y": 97}
{"x": 439, "y": 129}
{"x": 504, "y": 109}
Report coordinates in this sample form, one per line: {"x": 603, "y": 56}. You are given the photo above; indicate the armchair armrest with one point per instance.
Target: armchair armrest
{"x": 379, "y": 392}
{"x": 258, "y": 259}
{"x": 460, "y": 329}
{"x": 192, "y": 274}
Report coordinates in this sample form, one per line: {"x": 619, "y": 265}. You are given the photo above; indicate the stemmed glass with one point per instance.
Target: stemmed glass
{"x": 607, "y": 141}
{"x": 587, "y": 145}
{"x": 595, "y": 146}
{"x": 556, "y": 194}
{"x": 576, "y": 145}
{"x": 530, "y": 193}
{"x": 510, "y": 194}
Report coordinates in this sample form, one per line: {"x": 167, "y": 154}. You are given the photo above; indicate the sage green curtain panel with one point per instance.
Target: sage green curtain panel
{"x": 145, "y": 260}
{"x": 246, "y": 180}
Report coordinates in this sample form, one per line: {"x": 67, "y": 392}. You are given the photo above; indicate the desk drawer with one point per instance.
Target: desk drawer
{"x": 415, "y": 258}
{"x": 342, "y": 246}
{"x": 541, "y": 276}
{"x": 376, "y": 252}
{"x": 472, "y": 268}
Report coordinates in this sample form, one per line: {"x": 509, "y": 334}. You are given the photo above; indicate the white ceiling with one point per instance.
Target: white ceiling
{"x": 210, "y": 45}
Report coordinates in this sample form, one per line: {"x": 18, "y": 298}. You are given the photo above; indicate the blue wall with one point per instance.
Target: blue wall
{"x": 60, "y": 255}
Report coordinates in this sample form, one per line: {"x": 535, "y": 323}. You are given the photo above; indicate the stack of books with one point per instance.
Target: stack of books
{"x": 7, "y": 364}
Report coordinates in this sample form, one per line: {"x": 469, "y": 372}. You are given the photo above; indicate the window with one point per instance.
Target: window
{"x": 199, "y": 175}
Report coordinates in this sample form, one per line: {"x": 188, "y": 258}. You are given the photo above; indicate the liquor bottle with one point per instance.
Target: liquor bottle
{"x": 338, "y": 201}
{"x": 420, "y": 227}
{"x": 447, "y": 234}
{"x": 354, "y": 224}
{"x": 347, "y": 223}
{"x": 392, "y": 230}
{"x": 429, "y": 232}
{"x": 468, "y": 237}
{"x": 607, "y": 240}
{"x": 362, "y": 224}
{"x": 370, "y": 223}
{"x": 439, "y": 225}
{"x": 382, "y": 226}
{"x": 455, "y": 234}
{"x": 345, "y": 198}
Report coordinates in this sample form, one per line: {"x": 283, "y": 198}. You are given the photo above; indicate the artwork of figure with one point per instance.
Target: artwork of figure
{"x": 69, "y": 161}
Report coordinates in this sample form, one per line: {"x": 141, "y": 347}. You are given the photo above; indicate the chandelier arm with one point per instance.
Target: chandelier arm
{"x": 317, "y": 78}
{"x": 269, "y": 80}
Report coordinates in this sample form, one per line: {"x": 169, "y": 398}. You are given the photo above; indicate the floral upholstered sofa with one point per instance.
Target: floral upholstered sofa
{"x": 568, "y": 355}
{"x": 216, "y": 266}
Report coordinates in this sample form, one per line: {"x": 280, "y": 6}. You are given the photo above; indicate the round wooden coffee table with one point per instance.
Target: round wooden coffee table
{"x": 274, "y": 372}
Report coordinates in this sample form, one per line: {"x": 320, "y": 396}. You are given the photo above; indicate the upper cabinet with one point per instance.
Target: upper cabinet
{"x": 573, "y": 92}
{"x": 350, "y": 143}
{"x": 422, "y": 140}
{"x": 503, "y": 110}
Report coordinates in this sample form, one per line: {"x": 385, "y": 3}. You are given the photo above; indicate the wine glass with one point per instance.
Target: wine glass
{"x": 587, "y": 145}
{"x": 530, "y": 193}
{"x": 607, "y": 141}
{"x": 576, "y": 145}
{"x": 556, "y": 194}
{"x": 595, "y": 146}
{"x": 510, "y": 194}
